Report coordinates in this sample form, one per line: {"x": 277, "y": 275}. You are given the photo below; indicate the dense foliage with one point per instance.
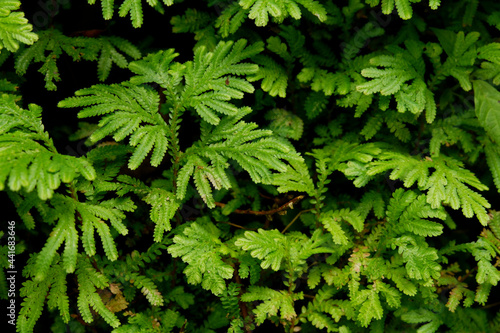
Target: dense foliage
{"x": 237, "y": 166}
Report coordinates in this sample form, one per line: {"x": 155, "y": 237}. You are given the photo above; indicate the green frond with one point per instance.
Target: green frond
{"x": 209, "y": 81}
{"x": 154, "y": 68}
{"x": 8, "y": 90}
{"x": 93, "y": 217}
{"x": 372, "y": 200}
{"x": 421, "y": 260}
{"x": 107, "y": 8}
{"x": 88, "y": 282}
{"x": 52, "y": 44}
{"x": 133, "y": 112}
{"x": 486, "y": 98}
{"x": 109, "y": 55}
{"x": 333, "y": 226}
{"x": 351, "y": 48}
{"x": 179, "y": 296}
{"x": 392, "y": 295}
{"x": 325, "y": 312}
{"x": 458, "y": 294}
{"x": 194, "y": 20}
{"x": 494, "y": 19}
{"x": 249, "y": 268}
{"x": 231, "y": 19}
{"x": 327, "y": 82}
{"x": 273, "y": 75}
{"x": 34, "y": 294}
{"x": 28, "y": 156}
{"x": 260, "y": 10}
{"x": 453, "y": 131}
{"x": 483, "y": 252}
{"x": 462, "y": 54}
{"x": 200, "y": 248}
{"x": 266, "y": 245}
{"x": 134, "y": 7}
{"x": 163, "y": 208}
{"x": 489, "y": 69}
{"x": 295, "y": 178}
{"x": 273, "y": 301}
{"x": 15, "y": 27}
{"x": 230, "y": 299}
{"x": 58, "y": 297}
{"x": 147, "y": 288}
{"x": 399, "y": 277}
{"x": 64, "y": 231}
{"x": 24, "y": 204}
{"x": 482, "y": 293}
{"x": 183, "y": 177}
{"x": 399, "y": 69}
{"x": 413, "y": 212}
{"x": 255, "y": 150}
{"x": 321, "y": 321}
{"x": 447, "y": 184}
{"x": 370, "y": 308}
{"x": 494, "y": 223}
{"x": 108, "y": 242}
{"x": 403, "y": 7}
{"x": 332, "y": 222}
{"x": 470, "y": 12}
{"x": 315, "y": 103}
{"x": 422, "y": 315}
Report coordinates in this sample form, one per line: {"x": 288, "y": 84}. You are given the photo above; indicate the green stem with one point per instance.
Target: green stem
{"x": 174, "y": 142}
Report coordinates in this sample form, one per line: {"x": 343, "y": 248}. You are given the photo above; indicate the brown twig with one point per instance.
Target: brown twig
{"x": 183, "y": 327}
{"x": 490, "y": 305}
{"x": 289, "y": 204}
{"x": 242, "y": 305}
{"x": 295, "y": 218}
{"x": 236, "y": 225}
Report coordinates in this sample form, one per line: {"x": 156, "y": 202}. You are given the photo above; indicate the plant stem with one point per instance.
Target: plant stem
{"x": 289, "y": 204}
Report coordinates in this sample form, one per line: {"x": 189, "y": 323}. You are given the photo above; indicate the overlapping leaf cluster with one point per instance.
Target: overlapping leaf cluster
{"x": 315, "y": 165}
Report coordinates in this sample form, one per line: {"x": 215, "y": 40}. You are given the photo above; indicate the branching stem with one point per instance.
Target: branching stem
{"x": 283, "y": 207}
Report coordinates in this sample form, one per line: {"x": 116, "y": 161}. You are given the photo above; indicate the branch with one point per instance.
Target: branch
{"x": 289, "y": 204}
{"x": 295, "y": 219}
{"x": 235, "y": 225}
{"x": 242, "y": 305}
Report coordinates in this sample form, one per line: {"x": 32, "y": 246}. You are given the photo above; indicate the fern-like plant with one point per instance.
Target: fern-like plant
{"x": 299, "y": 166}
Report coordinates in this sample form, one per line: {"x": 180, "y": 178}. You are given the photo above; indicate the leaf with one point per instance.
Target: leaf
{"x": 154, "y": 68}
{"x": 273, "y": 301}
{"x": 59, "y": 235}
{"x": 492, "y": 153}
{"x": 163, "y": 208}
{"x": 51, "y": 44}
{"x": 487, "y": 101}
{"x": 88, "y": 280}
{"x": 273, "y": 75}
{"x": 422, "y": 316}
{"x": 266, "y": 245}
{"x": 129, "y": 111}
{"x": 446, "y": 184}
{"x": 200, "y": 248}
{"x": 338, "y": 235}
{"x": 14, "y": 27}
{"x": 209, "y": 81}
{"x": 285, "y": 124}
{"x": 134, "y": 7}
{"x": 370, "y": 309}
{"x": 331, "y": 220}
{"x": 261, "y": 9}
{"x": 421, "y": 260}
{"x": 404, "y": 9}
